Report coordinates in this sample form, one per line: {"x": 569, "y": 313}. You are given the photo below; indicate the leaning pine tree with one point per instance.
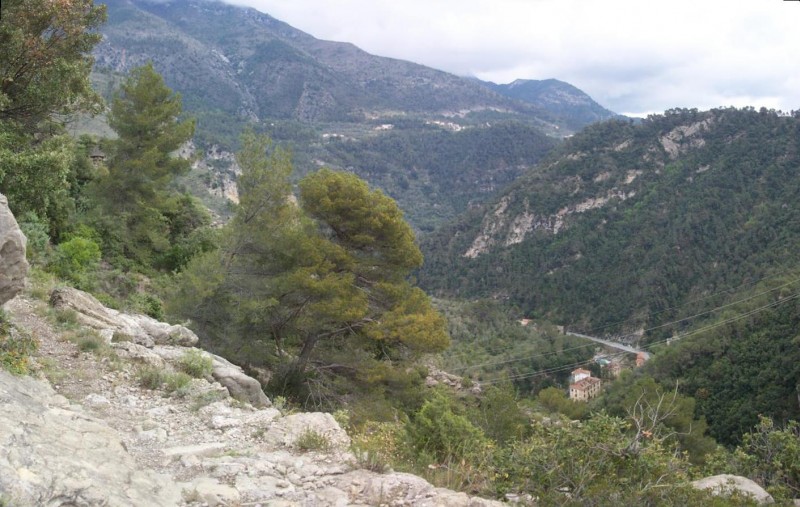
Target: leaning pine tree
{"x": 312, "y": 286}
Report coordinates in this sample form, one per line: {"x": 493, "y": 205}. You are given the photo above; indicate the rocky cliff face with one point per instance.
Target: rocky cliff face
{"x": 603, "y": 167}
{"x": 13, "y": 266}
{"x": 503, "y": 229}
{"x": 94, "y": 436}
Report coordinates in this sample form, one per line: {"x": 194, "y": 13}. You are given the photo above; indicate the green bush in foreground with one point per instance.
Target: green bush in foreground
{"x": 195, "y": 363}
{"x": 74, "y": 258}
{"x": 153, "y": 377}
{"x": 90, "y": 343}
{"x": 148, "y": 304}
{"x": 439, "y": 433}
{"x": 311, "y": 440}
{"x": 177, "y": 381}
{"x": 15, "y": 348}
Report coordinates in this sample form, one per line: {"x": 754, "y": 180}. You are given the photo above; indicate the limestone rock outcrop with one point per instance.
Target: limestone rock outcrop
{"x": 725, "y": 484}
{"x": 406, "y": 489}
{"x": 13, "y": 265}
{"x": 147, "y": 340}
{"x": 288, "y": 430}
{"x": 241, "y": 386}
{"x": 437, "y": 377}
{"x": 119, "y": 443}
{"x": 114, "y": 325}
{"x": 61, "y": 455}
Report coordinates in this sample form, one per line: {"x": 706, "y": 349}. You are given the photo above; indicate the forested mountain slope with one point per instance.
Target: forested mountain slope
{"x": 627, "y": 222}
{"x": 574, "y": 106}
{"x": 436, "y": 142}
{"x": 436, "y": 174}
{"x": 240, "y": 62}
{"x": 744, "y": 365}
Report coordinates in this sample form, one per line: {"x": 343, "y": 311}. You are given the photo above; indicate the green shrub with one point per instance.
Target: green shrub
{"x": 206, "y": 398}
{"x": 90, "y": 343}
{"x": 107, "y": 300}
{"x": 89, "y": 340}
{"x": 342, "y": 417}
{"x": 40, "y": 283}
{"x": 151, "y": 377}
{"x": 16, "y": 348}
{"x": 311, "y": 440}
{"x": 147, "y": 304}
{"x": 66, "y": 317}
{"x": 499, "y": 415}
{"x": 87, "y": 232}
{"x": 379, "y": 447}
{"x": 73, "y": 259}
{"x": 440, "y": 433}
{"x": 280, "y": 403}
{"x": 176, "y": 381}
{"x": 770, "y": 455}
{"x": 195, "y": 363}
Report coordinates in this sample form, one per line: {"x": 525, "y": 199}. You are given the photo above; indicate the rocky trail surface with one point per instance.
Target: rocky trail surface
{"x": 90, "y": 434}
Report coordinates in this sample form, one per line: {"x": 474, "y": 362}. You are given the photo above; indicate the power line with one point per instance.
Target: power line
{"x": 721, "y": 307}
{"x": 712, "y": 295}
{"x": 712, "y": 326}
{"x": 495, "y": 363}
{"x": 685, "y": 319}
{"x": 649, "y": 346}
{"x": 522, "y": 358}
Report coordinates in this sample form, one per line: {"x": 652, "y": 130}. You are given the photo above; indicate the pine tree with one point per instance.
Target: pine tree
{"x": 135, "y": 195}
{"x": 46, "y": 58}
{"x": 300, "y": 281}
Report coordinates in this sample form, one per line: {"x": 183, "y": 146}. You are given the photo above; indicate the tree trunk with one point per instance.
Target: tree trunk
{"x": 305, "y": 354}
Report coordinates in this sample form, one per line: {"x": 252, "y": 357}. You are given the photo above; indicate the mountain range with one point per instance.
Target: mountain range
{"x": 436, "y": 142}
{"x": 678, "y": 233}
{"x": 574, "y": 107}
{"x": 243, "y": 63}
{"x": 617, "y": 224}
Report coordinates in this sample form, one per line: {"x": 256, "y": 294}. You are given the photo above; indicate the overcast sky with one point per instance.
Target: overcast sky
{"x": 632, "y": 56}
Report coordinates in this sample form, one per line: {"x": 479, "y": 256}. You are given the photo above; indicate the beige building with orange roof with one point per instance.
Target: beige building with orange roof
{"x": 585, "y": 389}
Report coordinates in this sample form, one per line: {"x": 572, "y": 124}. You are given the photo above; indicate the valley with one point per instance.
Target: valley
{"x": 529, "y": 194}
{"x": 489, "y": 292}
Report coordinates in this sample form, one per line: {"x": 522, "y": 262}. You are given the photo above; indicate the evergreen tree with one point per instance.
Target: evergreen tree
{"x": 46, "y": 58}
{"x": 44, "y": 70}
{"x": 136, "y": 199}
{"x": 329, "y": 272}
